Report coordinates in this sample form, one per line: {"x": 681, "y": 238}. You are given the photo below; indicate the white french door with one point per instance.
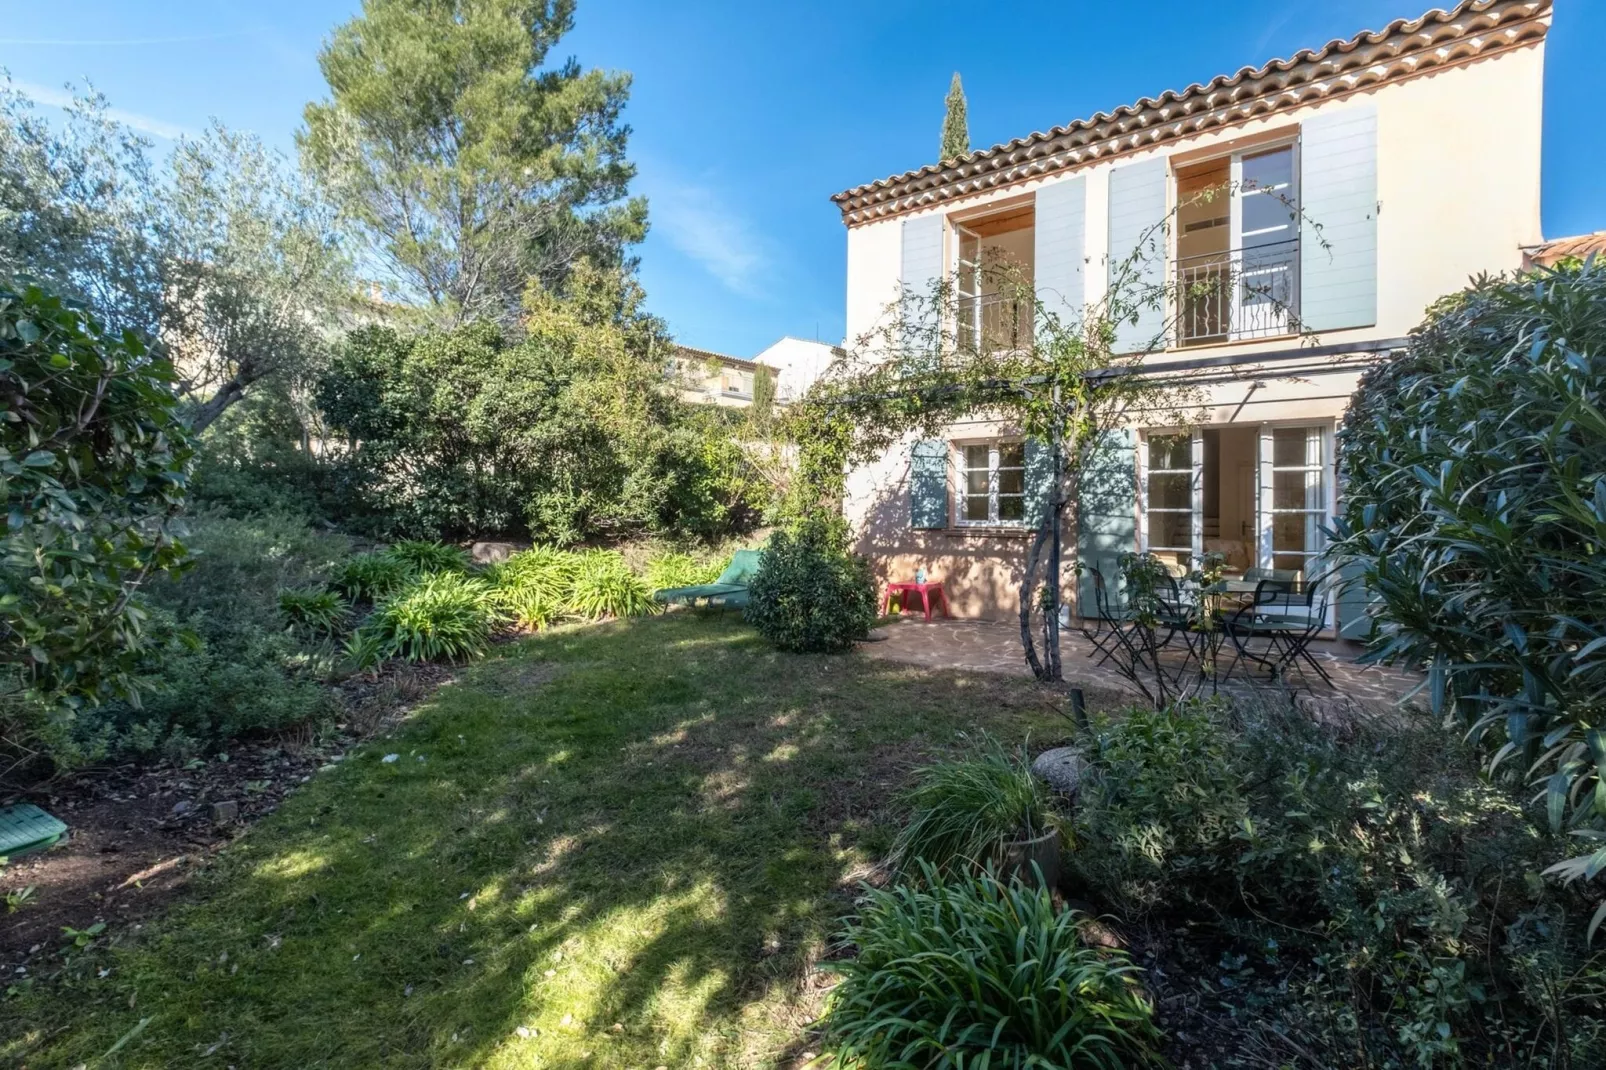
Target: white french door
{"x": 968, "y": 284}
{"x": 1171, "y": 497}
{"x": 1265, "y": 242}
{"x": 1295, "y": 497}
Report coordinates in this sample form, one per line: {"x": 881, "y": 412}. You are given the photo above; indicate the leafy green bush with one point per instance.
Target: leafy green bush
{"x": 1159, "y": 812}
{"x": 421, "y": 556}
{"x": 971, "y": 972}
{"x": 541, "y": 574}
{"x": 604, "y": 586}
{"x": 92, "y": 463}
{"x": 221, "y": 663}
{"x": 1475, "y": 512}
{"x": 809, "y": 595}
{"x": 313, "y": 611}
{"x": 1390, "y": 893}
{"x": 371, "y": 577}
{"x": 964, "y": 811}
{"x": 674, "y": 569}
{"x": 443, "y": 615}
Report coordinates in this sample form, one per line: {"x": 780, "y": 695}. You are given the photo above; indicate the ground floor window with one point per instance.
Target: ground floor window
{"x": 992, "y": 483}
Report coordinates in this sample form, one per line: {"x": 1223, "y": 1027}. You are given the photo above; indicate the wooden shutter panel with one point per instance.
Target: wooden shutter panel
{"x": 1338, "y": 234}
{"x": 1039, "y": 480}
{"x": 1106, "y": 513}
{"x": 921, "y": 264}
{"x": 1137, "y": 252}
{"x": 928, "y": 484}
{"x": 1060, "y": 253}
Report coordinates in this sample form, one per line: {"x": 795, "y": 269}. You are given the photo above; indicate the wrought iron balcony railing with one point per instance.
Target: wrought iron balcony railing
{"x": 1238, "y": 293}
{"x": 995, "y": 321}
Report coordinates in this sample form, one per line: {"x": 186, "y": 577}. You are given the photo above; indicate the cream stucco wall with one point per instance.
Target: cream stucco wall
{"x": 1458, "y": 192}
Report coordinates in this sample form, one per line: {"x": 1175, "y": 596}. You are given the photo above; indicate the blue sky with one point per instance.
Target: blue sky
{"x": 748, "y": 116}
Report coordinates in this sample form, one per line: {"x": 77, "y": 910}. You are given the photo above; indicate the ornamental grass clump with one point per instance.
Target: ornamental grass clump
{"x": 965, "y": 813}
{"x": 972, "y": 972}
{"x": 672, "y": 569}
{"x": 371, "y": 577}
{"x": 604, "y": 586}
{"x": 423, "y": 556}
{"x": 313, "y": 612}
{"x": 444, "y": 615}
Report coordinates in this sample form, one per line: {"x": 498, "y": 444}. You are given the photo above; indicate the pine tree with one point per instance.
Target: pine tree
{"x": 955, "y": 131}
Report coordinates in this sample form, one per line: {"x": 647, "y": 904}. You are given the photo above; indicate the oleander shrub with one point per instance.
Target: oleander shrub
{"x": 965, "y": 810}
{"x": 810, "y": 595}
{"x": 371, "y": 576}
{"x": 421, "y": 556}
{"x": 970, "y": 972}
{"x": 313, "y": 611}
{"x": 440, "y": 616}
{"x": 1475, "y": 512}
{"x": 604, "y": 586}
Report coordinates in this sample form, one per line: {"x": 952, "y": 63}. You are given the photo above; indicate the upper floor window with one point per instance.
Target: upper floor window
{"x": 992, "y": 487}
{"x": 1237, "y": 268}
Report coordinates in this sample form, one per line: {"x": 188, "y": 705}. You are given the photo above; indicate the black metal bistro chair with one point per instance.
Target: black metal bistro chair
{"x": 1285, "y": 616}
{"x": 1113, "y": 619}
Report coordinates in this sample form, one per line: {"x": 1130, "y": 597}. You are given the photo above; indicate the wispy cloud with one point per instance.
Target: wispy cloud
{"x": 709, "y": 231}
{"x": 145, "y": 124}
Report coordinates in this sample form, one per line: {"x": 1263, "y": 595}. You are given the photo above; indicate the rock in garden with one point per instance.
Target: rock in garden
{"x": 225, "y": 812}
{"x": 493, "y": 553}
{"x": 1061, "y": 768}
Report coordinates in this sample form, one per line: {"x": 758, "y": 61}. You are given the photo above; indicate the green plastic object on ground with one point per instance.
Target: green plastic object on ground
{"x": 730, "y": 589}
{"x": 25, "y": 828}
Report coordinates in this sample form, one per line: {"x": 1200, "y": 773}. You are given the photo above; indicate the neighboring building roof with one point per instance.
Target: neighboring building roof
{"x": 694, "y": 353}
{"x": 1579, "y": 246}
{"x": 1401, "y": 49}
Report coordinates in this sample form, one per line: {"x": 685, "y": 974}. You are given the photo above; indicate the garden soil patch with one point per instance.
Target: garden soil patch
{"x": 138, "y": 831}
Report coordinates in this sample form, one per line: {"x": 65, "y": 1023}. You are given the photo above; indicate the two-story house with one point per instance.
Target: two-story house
{"x": 1359, "y": 182}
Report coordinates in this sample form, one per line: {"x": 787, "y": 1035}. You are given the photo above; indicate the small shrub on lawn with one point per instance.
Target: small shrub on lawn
{"x": 809, "y": 595}
{"x": 444, "y": 615}
{"x": 604, "y": 586}
{"x": 422, "y": 556}
{"x": 971, "y": 972}
{"x": 964, "y": 811}
{"x": 371, "y": 577}
{"x": 313, "y": 612}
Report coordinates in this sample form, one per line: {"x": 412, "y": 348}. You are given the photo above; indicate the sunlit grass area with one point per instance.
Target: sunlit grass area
{"x": 624, "y": 845}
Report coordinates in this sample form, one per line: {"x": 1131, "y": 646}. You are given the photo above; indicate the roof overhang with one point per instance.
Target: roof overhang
{"x": 1401, "y": 50}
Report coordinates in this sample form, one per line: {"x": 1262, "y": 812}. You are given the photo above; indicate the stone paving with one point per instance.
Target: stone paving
{"x": 994, "y": 646}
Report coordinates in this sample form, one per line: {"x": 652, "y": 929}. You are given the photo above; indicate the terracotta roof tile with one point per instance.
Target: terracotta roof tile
{"x": 1579, "y": 246}
{"x": 1402, "y": 48}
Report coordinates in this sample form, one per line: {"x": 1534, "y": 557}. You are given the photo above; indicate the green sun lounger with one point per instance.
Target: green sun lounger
{"x": 729, "y": 590}
{"x": 24, "y": 828}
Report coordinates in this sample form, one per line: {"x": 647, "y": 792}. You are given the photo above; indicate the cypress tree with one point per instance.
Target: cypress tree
{"x": 955, "y": 131}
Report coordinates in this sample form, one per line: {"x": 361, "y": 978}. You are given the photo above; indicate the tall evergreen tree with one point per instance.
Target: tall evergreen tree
{"x": 955, "y": 130}
{"x": 471, "y": 165}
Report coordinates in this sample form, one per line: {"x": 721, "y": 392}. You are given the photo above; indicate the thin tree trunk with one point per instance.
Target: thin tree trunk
{"x": 1027, "y": 587}
{"x": 209, "y": 410}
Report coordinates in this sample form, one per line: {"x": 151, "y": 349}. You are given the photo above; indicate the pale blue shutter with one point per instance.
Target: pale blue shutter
{"x": 1338, "y": 235}
{"x": 1353, "y": 623}
{"x": 921, "y": 264}
{"x": 928, "y": 484}
{"x": 1106, "y": 513}
{"x": 1138, "y": 240}
{"x": 1060, "y": 256}
{"x": 1039, "y": 480}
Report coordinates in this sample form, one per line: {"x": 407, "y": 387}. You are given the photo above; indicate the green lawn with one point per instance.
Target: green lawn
{"x": 623, "y": 845}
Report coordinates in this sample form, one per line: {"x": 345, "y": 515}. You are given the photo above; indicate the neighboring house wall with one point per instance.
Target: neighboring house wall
{"x": 707, "y": 378}
{"x": 1417, "y": 183}
{"x": 798, "y": 363}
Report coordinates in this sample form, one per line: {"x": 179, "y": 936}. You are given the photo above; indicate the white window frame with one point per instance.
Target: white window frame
{"x": 1195, "y": 473}
{"x": 993, "y": 466}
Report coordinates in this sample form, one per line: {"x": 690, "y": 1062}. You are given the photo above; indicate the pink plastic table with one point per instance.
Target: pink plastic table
{"x": 924, "y": 590}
